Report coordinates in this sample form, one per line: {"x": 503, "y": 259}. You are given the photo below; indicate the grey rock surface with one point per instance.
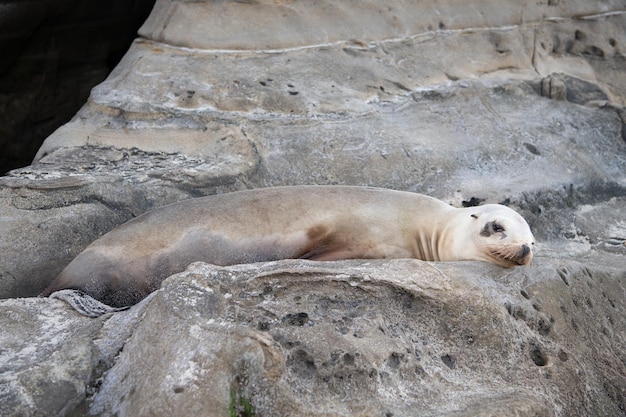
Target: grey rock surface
{"x": 400, "y": 337}
{"x": 52, "y": 357}
{"x": 515, "y": 104}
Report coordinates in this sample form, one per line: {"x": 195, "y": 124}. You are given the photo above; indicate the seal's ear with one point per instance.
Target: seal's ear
{"x": 474, "y": 216}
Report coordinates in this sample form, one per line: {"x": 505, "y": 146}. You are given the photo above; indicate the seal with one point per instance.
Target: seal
{"x": 301, "y": 222}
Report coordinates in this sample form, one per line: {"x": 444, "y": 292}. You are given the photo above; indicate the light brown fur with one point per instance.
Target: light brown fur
{"x": 309, "y": 222}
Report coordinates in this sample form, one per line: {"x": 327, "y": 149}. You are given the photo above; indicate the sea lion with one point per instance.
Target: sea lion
{"x": 307, "y": 222}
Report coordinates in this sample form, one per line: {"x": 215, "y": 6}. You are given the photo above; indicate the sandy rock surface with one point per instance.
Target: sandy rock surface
{"x": 507, "y": 103}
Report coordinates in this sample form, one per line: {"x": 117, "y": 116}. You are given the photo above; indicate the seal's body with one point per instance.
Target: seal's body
{"x": 307, "y": 222}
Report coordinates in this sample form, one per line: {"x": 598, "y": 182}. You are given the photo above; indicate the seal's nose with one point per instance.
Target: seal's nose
{"x": 525, "y": 250}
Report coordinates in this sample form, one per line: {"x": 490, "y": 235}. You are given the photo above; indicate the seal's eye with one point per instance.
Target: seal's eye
{"x": 491, "y": 229}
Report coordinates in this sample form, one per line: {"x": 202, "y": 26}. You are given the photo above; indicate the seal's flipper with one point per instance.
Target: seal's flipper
{"x": 84, "y": 303}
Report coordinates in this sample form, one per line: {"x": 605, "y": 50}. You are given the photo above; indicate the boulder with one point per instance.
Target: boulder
{"x": 293, "y": 337}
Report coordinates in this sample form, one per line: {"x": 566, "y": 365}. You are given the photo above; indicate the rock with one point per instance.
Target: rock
{"x": 46, "y": 357}
{"x": 51, "y": 357}
{"x": 554, "y": 88}
{"x": 354, "y": 338}
{"x": 515, "y": 104}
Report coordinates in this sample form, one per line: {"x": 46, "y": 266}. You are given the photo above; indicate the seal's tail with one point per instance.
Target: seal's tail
{"x": 84, "y": 303}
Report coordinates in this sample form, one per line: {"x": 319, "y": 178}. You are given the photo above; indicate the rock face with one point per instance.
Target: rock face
{"x": 508, "y": 103}
{"x": 398, "y": 338}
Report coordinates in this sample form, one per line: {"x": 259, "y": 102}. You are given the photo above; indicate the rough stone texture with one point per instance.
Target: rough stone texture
{"x": 347, "y": 338}
{"x": 52, "y": 358}
{"x": 516, "y": 104}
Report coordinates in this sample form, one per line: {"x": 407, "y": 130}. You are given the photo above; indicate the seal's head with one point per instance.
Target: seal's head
{"x": 500, "y": 235}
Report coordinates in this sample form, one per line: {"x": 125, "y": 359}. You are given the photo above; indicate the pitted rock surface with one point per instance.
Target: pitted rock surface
{"x": 401, "y": 337}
